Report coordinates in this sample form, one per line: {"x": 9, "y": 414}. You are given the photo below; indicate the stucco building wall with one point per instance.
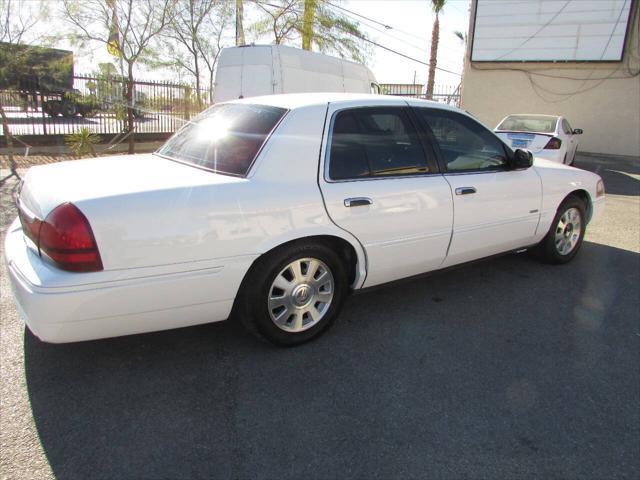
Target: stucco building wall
{"x": 601, "y": 98}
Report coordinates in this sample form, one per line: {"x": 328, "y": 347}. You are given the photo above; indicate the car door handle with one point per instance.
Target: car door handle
{"x": 357, "y": 202}
{"x": 465, "y": 190}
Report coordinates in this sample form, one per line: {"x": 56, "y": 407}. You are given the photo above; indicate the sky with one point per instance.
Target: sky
{"x": 411, "y": 22}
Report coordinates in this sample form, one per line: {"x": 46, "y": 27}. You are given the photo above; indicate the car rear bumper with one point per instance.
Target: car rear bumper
{"x": 108, "y": 309}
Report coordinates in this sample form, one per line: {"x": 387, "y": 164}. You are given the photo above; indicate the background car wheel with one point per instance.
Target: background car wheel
{"x": 294, "y": 294}
{"x": 565, "y": 236}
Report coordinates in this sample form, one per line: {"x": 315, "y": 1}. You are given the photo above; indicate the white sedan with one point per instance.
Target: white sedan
{"x": 272, "y": 209}
{"x": 546, "y": 136}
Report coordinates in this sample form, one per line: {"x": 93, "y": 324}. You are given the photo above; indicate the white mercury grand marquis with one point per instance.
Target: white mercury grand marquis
{"x": 272, "y": 209}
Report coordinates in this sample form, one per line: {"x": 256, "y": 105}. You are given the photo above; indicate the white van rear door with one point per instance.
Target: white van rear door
{"x": 244, "y": 72}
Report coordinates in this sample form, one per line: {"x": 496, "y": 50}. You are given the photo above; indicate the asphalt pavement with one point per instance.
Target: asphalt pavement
{"x": 506, "y": 368}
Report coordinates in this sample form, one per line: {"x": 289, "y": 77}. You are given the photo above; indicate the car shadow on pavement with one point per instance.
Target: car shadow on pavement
{"x": 504, "y": 368}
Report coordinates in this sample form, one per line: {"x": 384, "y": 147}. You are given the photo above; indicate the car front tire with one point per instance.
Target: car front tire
{"x": 564, "y": 239}
{"x": 293, "y": 294}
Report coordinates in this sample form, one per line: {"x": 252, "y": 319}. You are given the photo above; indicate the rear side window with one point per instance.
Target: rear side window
{"x": 465, "y": 145}
{"x": 225, "y": 138}
{"x": 374, "y": 142}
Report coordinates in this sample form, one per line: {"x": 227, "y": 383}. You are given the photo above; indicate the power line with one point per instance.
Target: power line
{"x": 364, "y": 39}
{"x": 424, "y": 48}
{"x": 537, "y": 31}
{"x": 384, "y": 32}
{"x": 386, "y": 26}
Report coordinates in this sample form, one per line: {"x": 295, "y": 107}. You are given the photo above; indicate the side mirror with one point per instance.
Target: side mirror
{"x": 521, "y": 160}
{"x": 577, "y": 131}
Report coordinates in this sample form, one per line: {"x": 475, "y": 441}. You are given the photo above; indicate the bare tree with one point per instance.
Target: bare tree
{"x": 281, "y": 18}
{"x": 194, "y": 34}
{"x": 210, "y": 45}
{"x": 16, "y": 23}
{"x": 126, "y": 27}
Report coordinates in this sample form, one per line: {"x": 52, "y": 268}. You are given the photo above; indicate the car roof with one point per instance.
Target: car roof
{"x": 299, "y": 100}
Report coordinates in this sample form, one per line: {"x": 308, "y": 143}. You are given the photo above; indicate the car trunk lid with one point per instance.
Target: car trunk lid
{"x": 47, "y": 186}
{"x": 533, "y": 141}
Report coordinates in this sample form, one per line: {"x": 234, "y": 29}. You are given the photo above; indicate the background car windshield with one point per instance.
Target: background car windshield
{"x": 529, "y": 123}
{"x": 225, "y": 138}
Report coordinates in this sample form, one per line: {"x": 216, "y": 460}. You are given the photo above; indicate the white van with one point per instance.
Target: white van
{"x": 255, "y": 70}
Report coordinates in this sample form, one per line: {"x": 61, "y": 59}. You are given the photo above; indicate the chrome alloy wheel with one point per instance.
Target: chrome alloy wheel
{"x": 568, "y": 231}
{"x": 301, "y": 295}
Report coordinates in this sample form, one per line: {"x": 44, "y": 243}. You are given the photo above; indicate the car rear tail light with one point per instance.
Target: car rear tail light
{"x": 67, "y": 239}
{"x": 554, "y": 144}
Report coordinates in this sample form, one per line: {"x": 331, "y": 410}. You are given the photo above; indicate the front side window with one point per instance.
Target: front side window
{"x": 374, "y": 142}
{"x": 566, "y": 127}
{"x": 224, "y": 138}
{"x": 465, "y": 145}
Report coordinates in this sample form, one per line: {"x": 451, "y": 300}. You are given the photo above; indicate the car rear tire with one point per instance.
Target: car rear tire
{"x": 293, "y": 295}
{"x": 564, "y": 239}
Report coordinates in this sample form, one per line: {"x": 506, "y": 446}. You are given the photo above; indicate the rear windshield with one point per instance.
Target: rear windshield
{"x": 224, "y": 138}
{"x": 529, "y": 123}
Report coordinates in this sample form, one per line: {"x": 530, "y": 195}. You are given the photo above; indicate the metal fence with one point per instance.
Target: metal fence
{"x": 449, "y": 94}
{"x": 99, "y": 104}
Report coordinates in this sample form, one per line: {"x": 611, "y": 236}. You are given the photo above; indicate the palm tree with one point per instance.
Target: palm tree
{"x": 436, "y": 6}
{"x": 239, "y": 23}
{"x": 462, "y": 36}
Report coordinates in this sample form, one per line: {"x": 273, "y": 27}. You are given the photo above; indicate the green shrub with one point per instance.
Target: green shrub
{"x": 82, "y": 142}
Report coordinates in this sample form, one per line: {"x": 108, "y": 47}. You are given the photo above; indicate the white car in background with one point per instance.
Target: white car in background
{"x": 275, "y": 208}
{"x": 546, "y": 136}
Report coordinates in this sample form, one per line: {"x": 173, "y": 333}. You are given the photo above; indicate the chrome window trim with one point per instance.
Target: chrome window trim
{"x": 476, "y": 172}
